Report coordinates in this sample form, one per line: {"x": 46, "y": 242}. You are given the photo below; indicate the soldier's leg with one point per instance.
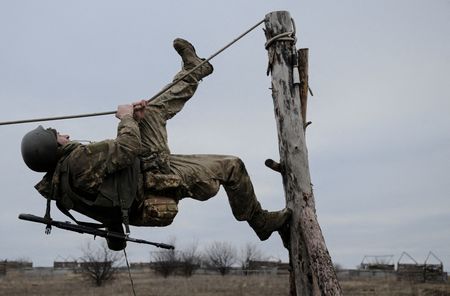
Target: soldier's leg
{"x": 175, "y": 98}
{"x": 203, "y": 174}
{"x": 153, "y": 126}
{"x": 155, "y": 149}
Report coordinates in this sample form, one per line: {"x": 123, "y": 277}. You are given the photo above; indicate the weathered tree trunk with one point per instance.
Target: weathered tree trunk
{"x": 312, "y": 271}
{"x": 304, "y": 87}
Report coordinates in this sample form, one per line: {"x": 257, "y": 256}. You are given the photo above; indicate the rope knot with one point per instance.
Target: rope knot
{"x": 286, "y": 36}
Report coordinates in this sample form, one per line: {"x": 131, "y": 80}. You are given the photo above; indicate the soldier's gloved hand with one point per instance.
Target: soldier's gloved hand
{"x": 123, "y": 110}
{"x": 139, "y": 109}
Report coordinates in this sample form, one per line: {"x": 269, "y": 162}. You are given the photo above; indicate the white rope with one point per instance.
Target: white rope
{"x": 149, "y": 100}
{"x": 286, "y": 36}
{"x": 129, "y": 272}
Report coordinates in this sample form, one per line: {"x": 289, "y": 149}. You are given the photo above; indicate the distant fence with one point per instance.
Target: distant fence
{"x": 66, "y": 264}
{"x": 405, "y": 272}
{"x": 421, "y": 272}
{"x": 348, "y": 274}
{"x": 382, "y": 266}
{"x": 411, "y": 272}
{"x": 2, "y": 269}
{"x": 377, "y": 266}
{"x": 16, "y": 264}
{"x": 6, "y": 265}
{"x": 140, "y": 265}
{"x": 434, "y": 273}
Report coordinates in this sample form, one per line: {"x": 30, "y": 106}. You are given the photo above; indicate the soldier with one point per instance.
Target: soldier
{"x": 106, "y": 180}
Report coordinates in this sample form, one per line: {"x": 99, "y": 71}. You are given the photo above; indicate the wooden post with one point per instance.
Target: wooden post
{"x": 304, "y": 87}
{"x": 312, "y": 271}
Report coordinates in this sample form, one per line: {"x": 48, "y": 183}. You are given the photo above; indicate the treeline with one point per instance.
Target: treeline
{"x": 218, "y": 256}
{"x": 98, "y": 264}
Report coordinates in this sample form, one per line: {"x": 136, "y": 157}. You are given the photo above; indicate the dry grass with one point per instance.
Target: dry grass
{"x": 394, "y": 288}
{"x": 147, "y": 283}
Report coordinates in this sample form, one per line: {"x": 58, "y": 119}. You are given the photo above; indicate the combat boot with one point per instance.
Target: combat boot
{"x": 264, "y": 222}
{"x": 190, "y": 59}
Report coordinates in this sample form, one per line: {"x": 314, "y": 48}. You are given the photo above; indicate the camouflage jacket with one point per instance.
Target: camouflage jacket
{"x": 90, "y": 178}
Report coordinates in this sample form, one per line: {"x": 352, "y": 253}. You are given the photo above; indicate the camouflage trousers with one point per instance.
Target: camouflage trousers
{"x": 201, "y": 175}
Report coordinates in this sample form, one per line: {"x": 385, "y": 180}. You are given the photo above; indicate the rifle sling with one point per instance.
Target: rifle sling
{"x": 88, "y": 224}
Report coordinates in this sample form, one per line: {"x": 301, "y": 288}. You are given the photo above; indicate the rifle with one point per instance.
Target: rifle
{"x": 89, "y": 230}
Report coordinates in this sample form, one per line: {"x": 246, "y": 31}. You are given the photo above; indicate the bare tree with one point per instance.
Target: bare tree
{"x": 221, "y": 256}
{"x": 249, "y": 252}
{"x": 165, "y": 262}
{"x": 190, "y": 259}
{"x": 99, "y": 264}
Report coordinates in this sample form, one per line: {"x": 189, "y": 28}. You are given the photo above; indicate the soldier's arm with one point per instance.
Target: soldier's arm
{"x": 127, "y": 145}
{"x": 90, "y": 163}
{"x": 122, "y": 151}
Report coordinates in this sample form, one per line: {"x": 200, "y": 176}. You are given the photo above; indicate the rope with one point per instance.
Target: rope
{"x": 166, "y": 88}
{"x": 129, "y": 272}
{"x": 55, "y": 118}
{"x": 286, "y": 36}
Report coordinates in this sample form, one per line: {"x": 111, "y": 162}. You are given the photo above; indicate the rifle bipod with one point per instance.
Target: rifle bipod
{"x": 90, "y": 230}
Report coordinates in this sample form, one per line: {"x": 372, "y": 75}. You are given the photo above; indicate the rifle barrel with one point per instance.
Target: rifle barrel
{"x": 89, "y": 230}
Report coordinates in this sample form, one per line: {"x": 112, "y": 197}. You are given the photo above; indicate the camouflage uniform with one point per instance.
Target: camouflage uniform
{"x": 89, "y": 178}
{"x": 201, "y": 175}
{"x": 87, "y": 166}
{"x": 102, "y": 179}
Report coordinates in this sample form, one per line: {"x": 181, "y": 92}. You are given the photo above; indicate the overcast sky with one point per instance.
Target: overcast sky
{"x": 379, "y": 145}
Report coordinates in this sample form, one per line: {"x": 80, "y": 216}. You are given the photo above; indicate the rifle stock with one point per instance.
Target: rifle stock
{"x": 89, "y": 230}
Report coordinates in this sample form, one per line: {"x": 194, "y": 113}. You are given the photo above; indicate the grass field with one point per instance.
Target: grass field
{"x": 147, "y": 283}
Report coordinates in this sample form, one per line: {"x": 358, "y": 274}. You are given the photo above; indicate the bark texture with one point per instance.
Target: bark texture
{"x": 304, "y": 87}
{"x": 312, "y": 271}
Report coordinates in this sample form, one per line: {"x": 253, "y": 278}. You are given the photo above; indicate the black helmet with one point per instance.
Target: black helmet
{"x": 39, "y": 149}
